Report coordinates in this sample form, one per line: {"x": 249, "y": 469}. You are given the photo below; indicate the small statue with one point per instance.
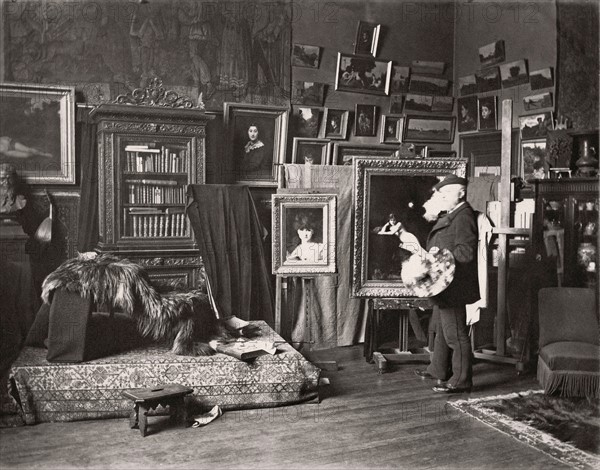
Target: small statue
{"x": 12, "y": 198}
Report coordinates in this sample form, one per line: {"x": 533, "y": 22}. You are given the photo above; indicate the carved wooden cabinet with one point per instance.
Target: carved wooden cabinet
{"x": 566, "y": 226}
{"x": 147, "y": 156}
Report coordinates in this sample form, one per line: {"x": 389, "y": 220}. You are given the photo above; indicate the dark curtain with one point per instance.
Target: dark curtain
{"x": 229, "y": 236}
{"x": 88, "y": 205}
{"x": 578, "y": 62}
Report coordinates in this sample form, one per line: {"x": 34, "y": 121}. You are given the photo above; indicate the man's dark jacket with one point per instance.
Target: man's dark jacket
{"x": 457, "y": 232}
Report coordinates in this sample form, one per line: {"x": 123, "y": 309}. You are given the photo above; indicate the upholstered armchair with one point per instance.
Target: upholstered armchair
{"x": 569, "y": 354}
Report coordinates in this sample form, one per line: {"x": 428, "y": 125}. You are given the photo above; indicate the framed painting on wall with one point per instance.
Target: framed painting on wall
{"x": 429, "y": 129}
{"x": 257, "y": 141}
{"x": 367, "y": 37}
{"x": 533, "y": 160}
{"x": 312, "y": 151}
{"x": 335, "y": 123}
{"x": 304, "y": 229}
{"x": 363, "y": 74}
{"x": 305, "y": 55}
{"x": 365, "y": 124}
{"x": 391, "y": 129}
{"x": 344, "y": 152}
{"x": 384, "y": 189}
{"x": 37, "y": 125}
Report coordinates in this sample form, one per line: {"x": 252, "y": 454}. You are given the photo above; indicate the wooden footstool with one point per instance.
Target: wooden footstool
{"x": 146, "y": 399}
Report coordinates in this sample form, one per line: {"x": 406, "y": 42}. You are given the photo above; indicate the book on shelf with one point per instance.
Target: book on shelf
{"x": 150, "y": 223}
{"x": 143, "y": 159}
{"x": 244, "y": 349}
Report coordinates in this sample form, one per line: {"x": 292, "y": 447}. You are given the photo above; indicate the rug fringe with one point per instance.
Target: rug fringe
{"x": 568, "y": 383}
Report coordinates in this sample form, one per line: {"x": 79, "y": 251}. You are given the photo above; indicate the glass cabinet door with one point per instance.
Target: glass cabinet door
{"x": 585, "y": 241}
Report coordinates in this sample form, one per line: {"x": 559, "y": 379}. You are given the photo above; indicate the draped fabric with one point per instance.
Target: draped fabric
{"x": 332, "y": 318}
{"x": 578, "y": 62}
{"x": 230, "y": 239}
{"x": 88, "y": 204}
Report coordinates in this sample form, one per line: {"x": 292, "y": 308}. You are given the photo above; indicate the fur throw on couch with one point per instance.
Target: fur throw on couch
{"x": 177, "y": 317}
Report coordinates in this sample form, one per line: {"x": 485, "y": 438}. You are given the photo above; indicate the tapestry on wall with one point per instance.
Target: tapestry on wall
{"x": 226, "y": 50}
{"x": 578, "y": 45}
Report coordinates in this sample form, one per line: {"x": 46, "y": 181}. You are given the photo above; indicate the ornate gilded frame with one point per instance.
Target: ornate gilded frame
{"x": 38, "y": 131}
{"x": 365, "y": 169}
{"x": 283, "y": 208}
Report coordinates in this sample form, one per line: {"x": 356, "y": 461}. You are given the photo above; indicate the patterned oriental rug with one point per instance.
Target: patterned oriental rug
{"x": 49, "y": 392}
{"x": 567, "y": 429}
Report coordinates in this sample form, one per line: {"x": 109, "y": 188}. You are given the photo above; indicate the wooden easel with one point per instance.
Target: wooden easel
{"x": 408, "y": 315}
{"x": 504, "y": 232}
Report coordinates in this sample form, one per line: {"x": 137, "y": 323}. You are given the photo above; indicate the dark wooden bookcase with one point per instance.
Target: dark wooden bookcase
{"x": 147, "y": 156}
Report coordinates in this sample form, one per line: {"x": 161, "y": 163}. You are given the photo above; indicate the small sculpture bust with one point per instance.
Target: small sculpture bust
{"x": 12, "y": 198}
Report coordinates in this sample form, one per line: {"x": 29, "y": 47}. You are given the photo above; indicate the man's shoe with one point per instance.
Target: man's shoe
{"x": 447, "y": 388}
{"x": 426, "y": 375}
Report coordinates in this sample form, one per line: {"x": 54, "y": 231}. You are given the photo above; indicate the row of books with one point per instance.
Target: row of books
{"x": 158, "y": 225}
{"x": 145, "y": 159}
{"x": 141, "y": 192}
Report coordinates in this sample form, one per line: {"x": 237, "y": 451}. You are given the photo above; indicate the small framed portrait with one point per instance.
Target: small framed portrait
{"x": 429, "y": 129}
{"x": 335, "y": 124}
{"x": 533, "y": 160}
{"x": 396, "y": 102}
{"x": 310, "y": 151}
{"x": 514, "y": 73}
{"x": 391, "y": 128}
{"x": 344, "y": 152}
{"x": 442, "y": 104}
{"x": 365, "y": 120}
{"x": 363, "y": 74}
{"x": 536, "y": 126}
{"x": 306, "y": 121}
{"x": 425, "y": 85}
{"x": 487, "y": 115}
{"x": 389, "y": 198}
{"x": 304, "y": 229}
{"x": 257, "y": 139}
{"x": 37, "y": 136}
{"x": 492, "y": 53}
{"x": 367, "y": 37}
{"x": 400, "y": 79}
{"x": 541, "y": 79}
{"x": 467, "y": 114}
{"x": 467, "y": 85}
{"x": 304, "y": 55}
{"x": 539, "y": 101}
{"x": 422, "y": 103}
{"x": 308, "y": 93}
{"x": 488, "y": 80}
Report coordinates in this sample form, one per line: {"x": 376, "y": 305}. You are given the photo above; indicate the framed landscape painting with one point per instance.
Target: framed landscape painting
{"x": 304, "y": 229}
{"x": 38, "y": 132}
{"x": 386, "y": 187}
{"x": 305, "y": 55}
{"x": 535, "y": 126}
{"x": 429, "y": 129}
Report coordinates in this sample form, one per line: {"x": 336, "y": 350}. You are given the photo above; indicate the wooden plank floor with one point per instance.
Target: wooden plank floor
{"x": 364, "y": 420}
